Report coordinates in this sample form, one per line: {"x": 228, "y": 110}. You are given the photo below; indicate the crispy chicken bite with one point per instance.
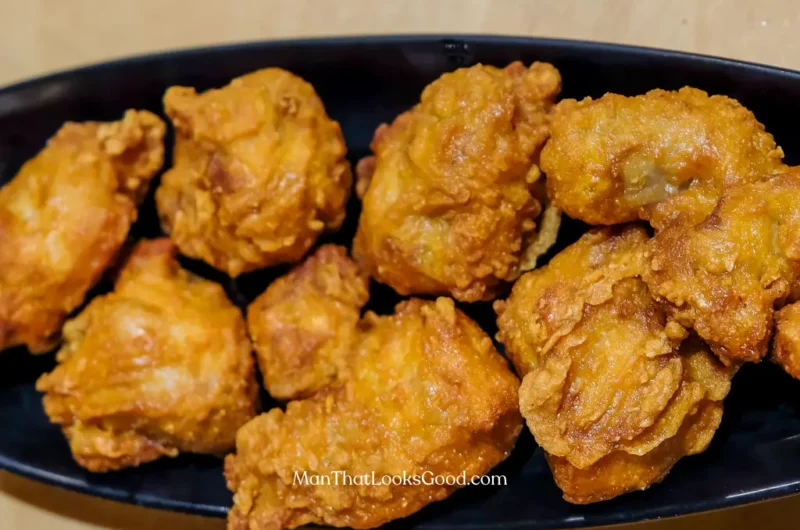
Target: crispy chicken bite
{"x": 63, "y": 218}
{"x": 426, "y": 395}
{"x": 452, "y": 196}
{"x": 660, "y": 156}
{"x": 786, "y": 349}
{"x": 608, "y": 391}
{"x": 259, "y": 172}
{"x": 304, "y": 325}
{"x": 621, "y": 472}
{"x": 161, "y": 365}
{"x": 725, "y": 275}
{"x": 582, "y": 274}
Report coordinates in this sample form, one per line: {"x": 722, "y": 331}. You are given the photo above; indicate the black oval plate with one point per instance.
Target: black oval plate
{"x": 364, "y": 82}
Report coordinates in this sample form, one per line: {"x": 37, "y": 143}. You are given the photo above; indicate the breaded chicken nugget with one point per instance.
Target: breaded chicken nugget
{"x": 725, "y": 275}
{"x": 451, "y": 198}
{"x": 659, "y": 156}
{"x": 426, "y": 396}
{"x": 304, "y": 325}
{"x": 786, "y": 349}
{"x": 584, "y": 273}
{"x": 161, "y": 365}
{"x": 64, "y": 217}
{"x": 259, "y": 172}
{"x": 621, "y": 472}
{"x": 607, "y": 391}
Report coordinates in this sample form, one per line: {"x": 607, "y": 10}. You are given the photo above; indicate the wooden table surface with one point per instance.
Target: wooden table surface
{"x": 40, "y": 36}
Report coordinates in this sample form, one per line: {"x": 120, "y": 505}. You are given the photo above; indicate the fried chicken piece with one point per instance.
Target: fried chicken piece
{"x": 451, "y": 199}
{"x": 608, "y": 391}
{"x": 161, "y": 365}
{"x": 259, "y": 173}
{"x": 724, "y": 276}
{"x": 426, "y": 394}
{"x": 64, "y": 217}
{"x": 304, "y": 325}
{"x": 786, "y": 350}
{"x": 582, "y": 274}
{"x": 660, "y": 156}
{"x": 621, "y": 472}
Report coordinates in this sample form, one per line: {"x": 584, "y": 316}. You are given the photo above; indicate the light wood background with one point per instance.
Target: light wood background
{"x": 39, "y": 36}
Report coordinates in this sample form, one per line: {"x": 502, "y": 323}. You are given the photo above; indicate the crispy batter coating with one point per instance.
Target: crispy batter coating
{"x": 451, "y": 199}
{"x": 304, "y": 325}
{"x": 621, "y": 472}
{"x": 64, "y": 217}
{"x": 608, "y": 393}
{"x": 583, "y": 273}
{"x": 259, "y": 172}
{"x": 426, "y": 392}
{"x": 724, "y": 275}
{"x": 161, "y": 365}
{"x": 660, "y": 156}
{"x": 786, "y": 349}
{"x": 605, "y": 381}
{"x": 549, "y": 222}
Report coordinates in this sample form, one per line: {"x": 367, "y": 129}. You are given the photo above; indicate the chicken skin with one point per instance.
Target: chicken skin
{"x": 304, "y": 326}
{"x": 611, "y": 391}
{"x": 259, "y": 172}
{"x": 661, "y": 156}
{"x": 64, "y": 217}
{"x": 425, "y": 395}
{"x": 453, "y": 193}
{"x": 162, "y": 365}
{"x": 724, "y": 276}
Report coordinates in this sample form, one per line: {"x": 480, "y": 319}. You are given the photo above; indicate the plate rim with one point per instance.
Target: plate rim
{"x": 400, "y": 38}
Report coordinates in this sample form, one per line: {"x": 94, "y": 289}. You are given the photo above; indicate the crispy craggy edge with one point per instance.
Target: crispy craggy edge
{"x": 189, "y": 112}
{"x": 270, "y": 336}
{"x": 544, "y": 238}
{"x": 649, "y": 462}
{"x": 700, "y": 397}
{"x": 134, "y": 146}
{"x": 94, "y": 447}
{"x": 447, "y": 321}
{"x": 786, "y": 342}
{"x": 517, "y": 322}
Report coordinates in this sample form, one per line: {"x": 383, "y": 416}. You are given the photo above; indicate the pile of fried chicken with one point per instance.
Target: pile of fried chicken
{"x": 623, "y": 345}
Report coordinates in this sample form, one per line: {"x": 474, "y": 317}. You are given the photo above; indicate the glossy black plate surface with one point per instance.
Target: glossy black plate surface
{"x": 364, "y": 82}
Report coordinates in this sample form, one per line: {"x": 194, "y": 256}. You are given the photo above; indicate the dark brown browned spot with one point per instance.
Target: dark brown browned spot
{"x": 218, "y": 175}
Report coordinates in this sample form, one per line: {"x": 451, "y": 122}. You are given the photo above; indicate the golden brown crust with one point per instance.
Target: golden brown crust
{"x": 449, "y": 200}
{"x": 259, "y": 172}
{"x": 583, "y": 273}
{"x": 607, "y": 392}
{"x": 683, "y": 427}
{"x": 537, "y": 244}
{"x": 620, "y": 472}
{"x": 161, "y": 365}
{"x": 64, "y": 217}
{"x": 786, "y": 348}
{"x": 425, "y": 392}
{"x": 724, "y": 276}
{"x": 658, "y": 156}
{"x": 583, "y": 402}
{"x": 304, "y": 325}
